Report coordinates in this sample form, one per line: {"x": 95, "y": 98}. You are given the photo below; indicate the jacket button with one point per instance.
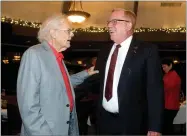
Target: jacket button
{"x": 67, "y": 122}
{"x": 67, "y": 105}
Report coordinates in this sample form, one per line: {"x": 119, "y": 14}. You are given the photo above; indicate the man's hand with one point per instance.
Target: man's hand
{"x": 152, "y": 133}
{"x": 91, "y": 71}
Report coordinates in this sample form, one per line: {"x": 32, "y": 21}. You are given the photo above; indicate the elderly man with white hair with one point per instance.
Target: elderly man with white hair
{"x": 44, "y": 88}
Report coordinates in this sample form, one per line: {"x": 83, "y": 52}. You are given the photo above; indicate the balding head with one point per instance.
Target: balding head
{"x": 121, "y": 24}
{"x": 129, "y": 15}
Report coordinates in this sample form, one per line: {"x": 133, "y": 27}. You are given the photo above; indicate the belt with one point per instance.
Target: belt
{"x": 114, "y": 114}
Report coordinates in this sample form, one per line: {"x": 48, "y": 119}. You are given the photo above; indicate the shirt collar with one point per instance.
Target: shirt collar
{"x": 125, "y": 44}
{"x": 57, "y": 54}
{"x": 127, "y": 41}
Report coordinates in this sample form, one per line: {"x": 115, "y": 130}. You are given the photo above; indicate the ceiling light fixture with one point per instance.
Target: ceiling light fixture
{"x": 76, "y": 14}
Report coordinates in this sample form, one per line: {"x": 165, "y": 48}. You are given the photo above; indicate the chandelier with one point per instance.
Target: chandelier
{"x": 76, "y": 13}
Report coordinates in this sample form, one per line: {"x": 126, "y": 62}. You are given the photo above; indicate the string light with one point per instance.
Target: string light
{"x": 20, "y": 22}
{"x": 92, "y": 29}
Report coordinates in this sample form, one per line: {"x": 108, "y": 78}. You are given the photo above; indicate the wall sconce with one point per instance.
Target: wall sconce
{"x": 76, "y": 15}
{"x": 17, "y": 57}
{"x": 175, "y": 61}
{"x": 5, "y": 60}
{"x": 79, "y": 62}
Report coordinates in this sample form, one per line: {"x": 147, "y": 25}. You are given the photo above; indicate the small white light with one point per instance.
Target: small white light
{"x": 76, "y": 18}
{"x": 175, "y": 61}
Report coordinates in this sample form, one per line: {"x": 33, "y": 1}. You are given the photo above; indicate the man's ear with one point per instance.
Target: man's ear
{"x": 52, "y": 33}
{"x": 128, "y": 26}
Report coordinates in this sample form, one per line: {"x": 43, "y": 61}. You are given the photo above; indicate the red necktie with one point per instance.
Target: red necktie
{"x": 109, "y": 81}
{"x": 67, "y": 84}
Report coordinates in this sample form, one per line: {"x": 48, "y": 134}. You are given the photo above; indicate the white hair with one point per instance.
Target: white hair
{"x": 52, "y": 22}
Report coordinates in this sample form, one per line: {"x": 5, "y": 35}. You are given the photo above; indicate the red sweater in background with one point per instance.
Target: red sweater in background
{"x": 172, "y": 86}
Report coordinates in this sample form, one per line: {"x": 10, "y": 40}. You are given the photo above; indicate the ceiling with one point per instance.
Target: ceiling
{"x": 150, "y": 14}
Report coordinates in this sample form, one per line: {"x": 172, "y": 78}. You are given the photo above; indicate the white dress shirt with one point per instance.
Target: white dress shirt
{"x": 112, "y": 104}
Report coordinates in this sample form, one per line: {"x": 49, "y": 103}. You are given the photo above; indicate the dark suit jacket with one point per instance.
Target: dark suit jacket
{"x": 140, "y": 89}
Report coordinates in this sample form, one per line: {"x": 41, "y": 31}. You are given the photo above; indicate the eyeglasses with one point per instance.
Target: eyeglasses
{"x": 114, "y": 21}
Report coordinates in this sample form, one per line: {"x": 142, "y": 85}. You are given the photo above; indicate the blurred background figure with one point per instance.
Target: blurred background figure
{"x": 172, "y": 87}
{"x": 86, "y": 97}
{"x": 93, "y": 61}
{"x": 3, "y": 92}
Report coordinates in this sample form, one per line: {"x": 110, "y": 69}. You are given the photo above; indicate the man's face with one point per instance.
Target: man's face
{"x": 117, "y": 25}
{"x": 63, "y": 36}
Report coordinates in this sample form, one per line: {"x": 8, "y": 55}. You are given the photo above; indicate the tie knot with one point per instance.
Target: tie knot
{"x": 60, "y": 56}
{"x": 118, "y": 46}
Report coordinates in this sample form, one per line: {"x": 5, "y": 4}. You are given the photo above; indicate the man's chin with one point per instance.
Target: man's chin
{"x": 65, "y": 48}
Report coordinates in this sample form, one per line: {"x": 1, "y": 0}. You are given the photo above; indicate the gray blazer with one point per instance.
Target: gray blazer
{"x": 41, "y": 94}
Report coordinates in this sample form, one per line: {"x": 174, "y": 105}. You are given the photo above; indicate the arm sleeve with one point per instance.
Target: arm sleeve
{"x": 155, "y": 92}
{"x": 28, "y": 95}
{"x": 78, "y": 78}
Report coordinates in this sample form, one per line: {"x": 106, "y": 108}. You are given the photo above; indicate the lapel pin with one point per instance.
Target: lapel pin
{"x": 135, "y": 48}
{"x": 129, "y": 71}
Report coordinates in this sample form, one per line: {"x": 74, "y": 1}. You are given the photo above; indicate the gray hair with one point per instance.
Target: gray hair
{"x": 130, "y": 14}
{"x": 52, "y": 22}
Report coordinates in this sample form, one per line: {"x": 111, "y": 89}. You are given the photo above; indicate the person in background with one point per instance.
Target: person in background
{"x": 3, "y": 92}
{"x": 44, "y": 88}
{"x": 87, "y": 95}
{"x": 172, "y": 87}
{"x": 131, "y": 101}
{"x": 93, "y": 61}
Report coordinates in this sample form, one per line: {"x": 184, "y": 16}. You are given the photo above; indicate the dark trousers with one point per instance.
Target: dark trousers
{"x": 118, "y": 124}
{"x": 70, "y": 131}
{"x": 111, "y": 124}
{"x": 84, "y": 109}
{"x": 169, "y": 116}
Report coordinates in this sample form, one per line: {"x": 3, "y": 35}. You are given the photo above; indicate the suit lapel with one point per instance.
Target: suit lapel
{"x": 53, "y": 64}
{"x": 131, "y": 52}
{"x": 73, "y": 93}
{"x": 126, "y": 69}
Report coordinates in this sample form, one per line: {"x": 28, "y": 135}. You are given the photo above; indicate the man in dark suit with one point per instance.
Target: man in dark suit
{"x": 131, "y": 100}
